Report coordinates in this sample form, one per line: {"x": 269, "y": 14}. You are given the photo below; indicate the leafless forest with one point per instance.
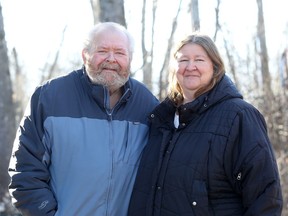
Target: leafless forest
{"x": 265, "y": 81}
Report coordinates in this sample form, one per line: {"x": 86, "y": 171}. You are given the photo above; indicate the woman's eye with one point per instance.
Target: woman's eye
{"x": 199, "y": 60}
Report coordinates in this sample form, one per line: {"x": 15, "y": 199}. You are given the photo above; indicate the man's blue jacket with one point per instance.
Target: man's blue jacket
{"x": 73, "y": 155}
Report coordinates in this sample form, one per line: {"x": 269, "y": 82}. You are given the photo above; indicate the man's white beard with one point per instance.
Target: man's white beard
{"x": 111, "y": 79}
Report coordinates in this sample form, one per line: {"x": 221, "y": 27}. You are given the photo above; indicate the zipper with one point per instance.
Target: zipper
{"x": 110, "y": 117}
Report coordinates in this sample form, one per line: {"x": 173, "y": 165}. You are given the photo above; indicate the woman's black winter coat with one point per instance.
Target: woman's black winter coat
{"x": 218, "y": 162}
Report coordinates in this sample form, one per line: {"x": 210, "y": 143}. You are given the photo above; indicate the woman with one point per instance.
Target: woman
{"x": 208, "y": 151}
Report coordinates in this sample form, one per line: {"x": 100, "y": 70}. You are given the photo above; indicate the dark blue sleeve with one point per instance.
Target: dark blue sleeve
{"x": 254, "y": 169}
{"x": 30, "y": 176}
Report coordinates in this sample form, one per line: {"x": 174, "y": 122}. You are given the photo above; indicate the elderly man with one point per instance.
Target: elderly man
{"x": 79, "y": 144}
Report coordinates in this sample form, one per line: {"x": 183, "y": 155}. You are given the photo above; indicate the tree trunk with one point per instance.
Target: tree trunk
{"x": 163, "y": 78}
{"x": 195, "y": 15}
{"x": 231, "y": 62}
{"x": 108, "y": 11}
{"x": 268, "y": 100}
{"x": 19, "y": 98}
{"x": 95, "y": 5}
{"x": 7, "y": 114}
{"x": 112, "y": 11}
{"x": 147, "y": 55}
{"x": 263, "y": 53}
{"x": 218, "y": 26}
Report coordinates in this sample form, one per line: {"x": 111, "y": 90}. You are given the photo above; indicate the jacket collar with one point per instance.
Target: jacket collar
{"x": 100, "y": 93}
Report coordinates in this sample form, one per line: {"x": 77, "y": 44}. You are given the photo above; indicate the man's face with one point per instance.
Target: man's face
{"x": 108, "y": 62}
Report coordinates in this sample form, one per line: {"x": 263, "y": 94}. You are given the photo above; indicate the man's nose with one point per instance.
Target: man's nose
{"x": 110, "y": 57}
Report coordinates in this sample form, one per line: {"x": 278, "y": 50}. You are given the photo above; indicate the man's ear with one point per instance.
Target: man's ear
{"x": 84, "y": 55}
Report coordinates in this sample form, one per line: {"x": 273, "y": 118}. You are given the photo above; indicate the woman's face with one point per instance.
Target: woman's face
{"x": 194, "y": 71}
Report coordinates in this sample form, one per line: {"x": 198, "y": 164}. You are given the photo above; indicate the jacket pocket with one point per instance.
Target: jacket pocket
{"x": 134, "y": 142}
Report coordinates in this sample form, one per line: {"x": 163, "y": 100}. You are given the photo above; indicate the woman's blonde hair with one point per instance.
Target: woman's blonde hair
{"x": 175, "y": 91}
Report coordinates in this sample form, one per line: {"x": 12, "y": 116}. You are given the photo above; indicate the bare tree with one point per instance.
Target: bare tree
{"x": 49, "y": 70}
{"x": 163, "y": 79}
{"x": 147, "y": 55}
{"x": 227, "y": 46}
{"x": 231, "y": 62}
{"x": 195, "y": 15}
{"x": 268, "y": 96}
{"x": 19, "y": 96}
{"x": 263, "y": 54}
{"x": 95, "y": 5}
{"x": 284, "y": 70}
{"x": 108, "y": 11}
{"x": 7, "y": 114}
{"x": 255, "y": 77}
{"x": 218, "y": 26}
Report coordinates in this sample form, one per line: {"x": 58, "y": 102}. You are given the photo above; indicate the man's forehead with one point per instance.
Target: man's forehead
{"x": 109, "y": 45}
{"x": 108, "y": 38}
